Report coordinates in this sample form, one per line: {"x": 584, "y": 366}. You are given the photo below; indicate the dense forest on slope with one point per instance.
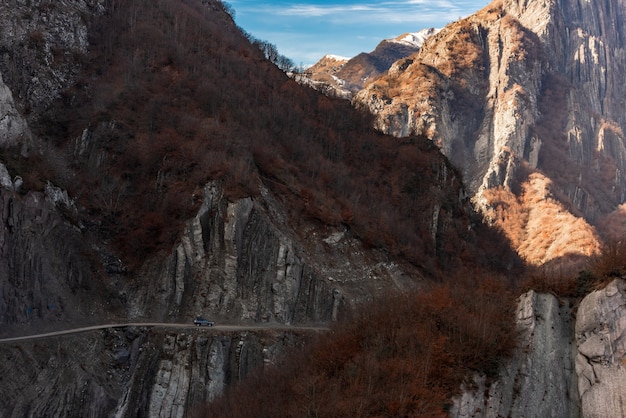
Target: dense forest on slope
{"x": 172, "y": 95}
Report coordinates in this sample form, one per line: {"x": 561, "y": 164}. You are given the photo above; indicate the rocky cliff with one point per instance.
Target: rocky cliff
{"x": 237, "y": 259}
{"x": 241, "y": 260}
{"x": 565, "y": 366}
{"x": 132, "y": 372}
{"x": 517, "y": 88}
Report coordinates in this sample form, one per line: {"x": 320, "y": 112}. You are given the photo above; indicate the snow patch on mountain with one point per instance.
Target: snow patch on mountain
{"x": 415, "y": 39}
{"x": 336, "y": 57}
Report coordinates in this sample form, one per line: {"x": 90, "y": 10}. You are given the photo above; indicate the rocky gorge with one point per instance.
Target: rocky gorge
{"x": 244, "y": 259}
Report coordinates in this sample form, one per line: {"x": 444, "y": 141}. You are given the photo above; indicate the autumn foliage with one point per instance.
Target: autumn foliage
{"x": 172, "y": 95}
{"x": 405, "y": 355}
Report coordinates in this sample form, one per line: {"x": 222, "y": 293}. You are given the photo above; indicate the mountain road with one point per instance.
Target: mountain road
{"x": 263, "y": 327}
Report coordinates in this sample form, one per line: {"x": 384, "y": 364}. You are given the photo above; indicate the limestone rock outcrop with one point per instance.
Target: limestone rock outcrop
{"x": 130, "y": 372}
{"x": 13, "y": 128}
{"x": 46, "y": 267}
{"x": 601, "y": 358}
{"x": 41, "y": 44}
{"x": 563, "y": 367}
{"x": 538, "y": 380}
{"x": 521, "y": 87}
{"x": 240, "y": 260}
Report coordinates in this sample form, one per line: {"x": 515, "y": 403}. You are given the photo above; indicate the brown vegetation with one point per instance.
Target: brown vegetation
{"x": 170, "y": 99}
{"x": 539, "y": 227}
{"x": 404, "y": 356}
{"x": 594, "y": 273}
{"x": 173, "y": 96}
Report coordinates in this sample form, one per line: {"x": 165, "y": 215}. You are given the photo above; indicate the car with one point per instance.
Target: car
{"x": 199, "y": 321}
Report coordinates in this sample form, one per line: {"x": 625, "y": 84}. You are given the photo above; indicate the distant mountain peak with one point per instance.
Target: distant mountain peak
{"x": 345, "y": 76}
{"x": 415, "y": 39}
{"x": 333, "y": 57}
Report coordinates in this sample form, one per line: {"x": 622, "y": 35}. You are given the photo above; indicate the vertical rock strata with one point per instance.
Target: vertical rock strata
{"x": 131, "y": 372}
{"x": 532, "y": 73}
{"x": 241, "y": 260}
{"x": 538, "y": 380}
{"x": 561, "y": 369}
{"x": 601, "y": 359}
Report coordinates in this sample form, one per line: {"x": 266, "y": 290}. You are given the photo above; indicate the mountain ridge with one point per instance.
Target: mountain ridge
{"x": 513, "y": 101}
{"x": 346, "y": 76}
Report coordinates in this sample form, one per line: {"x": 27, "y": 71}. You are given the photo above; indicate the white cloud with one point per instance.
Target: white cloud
{"x": 318, "y": 11}
{"x": 395, "y": 12}
{"x": 303, "y": 30}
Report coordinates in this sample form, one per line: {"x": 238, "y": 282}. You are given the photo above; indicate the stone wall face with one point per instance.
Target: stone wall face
{"x": 601, "y": 359}
{"x": 538, "y": 380}
{"x": 131, "y": 372}
{"x": 564, "y": 367}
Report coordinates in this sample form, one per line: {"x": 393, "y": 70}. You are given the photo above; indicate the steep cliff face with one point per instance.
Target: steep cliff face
{"x": 601, "y": 341}
{"x": 131, "y": 372}
{"x": 521, "y": 87}
{"x": 241, "y": 260}
{"x": 564, "y": 367}
{"x": 238, "y": 260}
{"x": 13, "y": 127}
{"x": 539, "y": 378}
{"x": 41, "y": 45}
{"x": 47, "y": 264}
{"x": 241, "y": 256}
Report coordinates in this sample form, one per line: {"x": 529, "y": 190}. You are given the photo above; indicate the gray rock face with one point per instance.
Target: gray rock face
{"x": 601, "y": 341}
{"x": 538, "y": 381}
{"x": 40, "y": 45}
{"x": 561, "y": 369}
{"x": 13, "y": 128}
{"x": 241, "y": 260}
{"x": 45, "y": 272}
{"x": 131, "y": 372}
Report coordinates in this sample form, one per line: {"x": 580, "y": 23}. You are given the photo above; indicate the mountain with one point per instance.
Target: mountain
{"x": 155, "y": 167}
{"x": 526, "y": 99}
{"x": 346, "y": 76}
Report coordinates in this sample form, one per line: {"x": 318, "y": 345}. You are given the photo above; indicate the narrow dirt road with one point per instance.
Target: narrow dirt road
{"x": 164, "y": 325}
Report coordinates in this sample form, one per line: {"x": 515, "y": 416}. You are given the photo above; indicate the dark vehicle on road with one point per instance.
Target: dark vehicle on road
{"x": 199, "y": 321}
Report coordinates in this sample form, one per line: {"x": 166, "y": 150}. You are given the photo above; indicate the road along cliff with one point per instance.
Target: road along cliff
{"x": 135, "y": 370}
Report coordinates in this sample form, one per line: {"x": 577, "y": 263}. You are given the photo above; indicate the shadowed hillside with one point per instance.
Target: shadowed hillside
{"x": 172, "y": 95}
{"x": 201, "y": 178}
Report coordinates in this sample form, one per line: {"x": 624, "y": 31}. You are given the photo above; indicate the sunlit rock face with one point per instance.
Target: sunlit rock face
{"x": 536, "y": 86}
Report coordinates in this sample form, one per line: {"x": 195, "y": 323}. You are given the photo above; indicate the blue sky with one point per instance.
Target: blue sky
{"x": 307, "y": 30}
